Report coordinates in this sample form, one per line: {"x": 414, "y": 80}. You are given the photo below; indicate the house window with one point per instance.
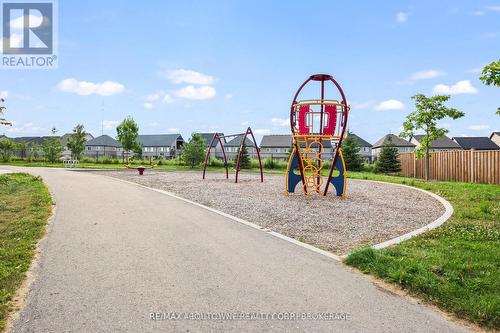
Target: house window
{"x": 160, "y": 149}
{"x": 268, "y": 150}
{"x": 277, "y": 150}
{"x": 89, "y": 148}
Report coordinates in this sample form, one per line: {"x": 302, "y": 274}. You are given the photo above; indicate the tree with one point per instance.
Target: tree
{"x": 429, "y": 110}
{"x": 22, "y": 147}
{"x": 76, "y": 142}
{"x": 127, "y": 133}
{"x": 7, "y": 147}
{"x": 2, "y": 111}
{"x": 352, "y": 153}
{"x": 52, "y": 148}
{"x": 491, "y": 76}
{"x": 193, "y": 152}
{"x": 245, "y": 162}
{"x": 388, "y": 160}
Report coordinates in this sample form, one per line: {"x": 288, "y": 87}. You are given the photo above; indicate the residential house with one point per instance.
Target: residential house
{"x": 232, "y": 146}
{"x": 276, "y": 146}
{"x": 103, "y": 145}
{"x": 63, "y": 140}
{"x": 495, "y": 137}
{"x": 216, "y": 150}
{"x": 365, "y": 148}
{"x": 476, "y": 143}
{"x": 402, "y": 145}
{"x": 442, "y": 144}
{"x": 31, "y": 146}
{"x": 161, "y": 145}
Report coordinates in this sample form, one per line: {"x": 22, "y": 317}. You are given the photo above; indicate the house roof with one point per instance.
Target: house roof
{"x": 103, "y": 140}
{"x": 208, "y": 137}
{"x": 276, "y": 140}
{"x": 396, "y": 141}
{"x": 237, "y": 141}
{"x": 494, "y": 133}
{"x": 159, "y": 140}
{"x": 441, "y": 143}
{"x": 65, "y": 138}
{"x": 361, "y": 142}
{"x": 34, "y": 139}
{"x": 477, "y": 142}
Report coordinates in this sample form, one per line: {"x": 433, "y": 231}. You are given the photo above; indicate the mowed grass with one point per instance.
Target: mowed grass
{"x": 456, "y": 266}
{"x": 25, "y": 206}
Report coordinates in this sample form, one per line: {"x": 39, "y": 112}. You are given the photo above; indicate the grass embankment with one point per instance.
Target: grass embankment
{"x": 25, "y": 206}
{"x": 456, "y": 266}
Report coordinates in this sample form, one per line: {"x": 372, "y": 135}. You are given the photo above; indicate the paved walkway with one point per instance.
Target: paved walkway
{"x": 116, "y": 252}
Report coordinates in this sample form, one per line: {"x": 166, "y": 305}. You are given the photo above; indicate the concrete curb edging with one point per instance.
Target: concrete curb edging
{"x": 436, "y": 223}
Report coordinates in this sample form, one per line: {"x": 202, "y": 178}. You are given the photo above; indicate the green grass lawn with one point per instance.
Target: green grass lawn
{"x": 25, "y": 206}
{"x": 456, "y": 266}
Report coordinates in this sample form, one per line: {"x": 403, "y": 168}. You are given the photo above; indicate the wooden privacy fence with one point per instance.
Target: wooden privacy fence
{"x": 473, "y": 166}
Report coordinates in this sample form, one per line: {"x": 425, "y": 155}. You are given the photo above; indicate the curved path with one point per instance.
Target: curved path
{"x": 115, "y": 252}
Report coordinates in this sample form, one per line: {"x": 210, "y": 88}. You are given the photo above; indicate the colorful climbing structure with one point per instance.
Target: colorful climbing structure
{"x": 318, "y": 125}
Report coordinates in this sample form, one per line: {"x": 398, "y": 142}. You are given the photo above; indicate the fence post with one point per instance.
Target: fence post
{"x": 472, "y": 165}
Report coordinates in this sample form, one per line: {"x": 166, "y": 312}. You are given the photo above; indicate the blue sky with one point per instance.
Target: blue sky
{"x": 188, "y": 66}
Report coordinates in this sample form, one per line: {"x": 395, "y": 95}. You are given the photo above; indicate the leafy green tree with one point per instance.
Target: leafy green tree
{"x": 193, "y": 152}
{"x": 7, "y": 147}
{"x": 388, "y": 160}
{"x": 2, "y": 111}
{"x": 22, "y": 147}
{"x": 352, "y": 153}
{"x": 127, "y": 133}
{"x": 52, "y": 148}
{"x": 429, "y": 110}
{"x": 245, "y": 162}
{"x": 491, "y": 76}
{"x": 76, "y": 142}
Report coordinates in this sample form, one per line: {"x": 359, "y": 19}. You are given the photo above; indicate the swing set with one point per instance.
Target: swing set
{"x": 220, "y": 138}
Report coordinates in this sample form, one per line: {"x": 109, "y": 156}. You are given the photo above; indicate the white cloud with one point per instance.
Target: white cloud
{"x": 262, "y": 131}
{"x": 461, "y": 87}
{"x": 478, "y": 13}
{"x": 154, "y": 96}
{"x": 402, "y": 17}
{"x": 173, "y": 130}
{"x": 25, "y": 128}
{"x": 85, "y": 88}
{"x": 280, "y": 121}
{"x": 478, "y": 127}
{"x": 148, "y": 106}
{"x": 426, "y": 74}
{"x": 110, "y": 124}
{"x": 188, "y": 76}
{"x": 4, "y": 94}
{"x": 167, "y": 99}
{"x": 390, "y": 104}
{"x": 493, "y": 8}
{"x": 196, "y": 93}
{"x": 362, "y": 105}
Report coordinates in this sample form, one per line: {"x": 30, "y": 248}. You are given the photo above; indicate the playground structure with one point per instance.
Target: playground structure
{"x": 315, "y": 122}
{"x": 220, "y": 138}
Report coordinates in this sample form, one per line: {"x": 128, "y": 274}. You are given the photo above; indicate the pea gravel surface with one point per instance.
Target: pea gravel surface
{"x": 370, "y": 214}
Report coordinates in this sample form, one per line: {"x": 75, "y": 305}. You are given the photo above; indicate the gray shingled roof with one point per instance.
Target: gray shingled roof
{"x": 235, "y": 142}
{"x": 396, "y": 141}
{"x": 276, "y": 141}
{"x": 208, "y": 137}
{"x": 65, "y": 138}
{"x": 441, "y": 143}
{"x": 33, "y": 139}
{"x": 103, "y": 140}
{"x": 159, "y": 140}
{"x": 361, "y": 142}
{"x": 477, "y": 142}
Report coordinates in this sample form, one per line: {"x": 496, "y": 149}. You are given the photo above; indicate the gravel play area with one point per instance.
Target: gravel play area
{"x": 371, "y": 213}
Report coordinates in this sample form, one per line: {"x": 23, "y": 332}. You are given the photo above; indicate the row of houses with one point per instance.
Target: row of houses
{"x": 276, "y": 146}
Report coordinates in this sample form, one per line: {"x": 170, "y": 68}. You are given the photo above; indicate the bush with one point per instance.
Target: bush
{"x": 216, "y": 163}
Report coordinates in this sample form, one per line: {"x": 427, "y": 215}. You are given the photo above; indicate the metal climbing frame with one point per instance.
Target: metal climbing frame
{"x": 219, "y": 138}
{"x": 314, "y": 123}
